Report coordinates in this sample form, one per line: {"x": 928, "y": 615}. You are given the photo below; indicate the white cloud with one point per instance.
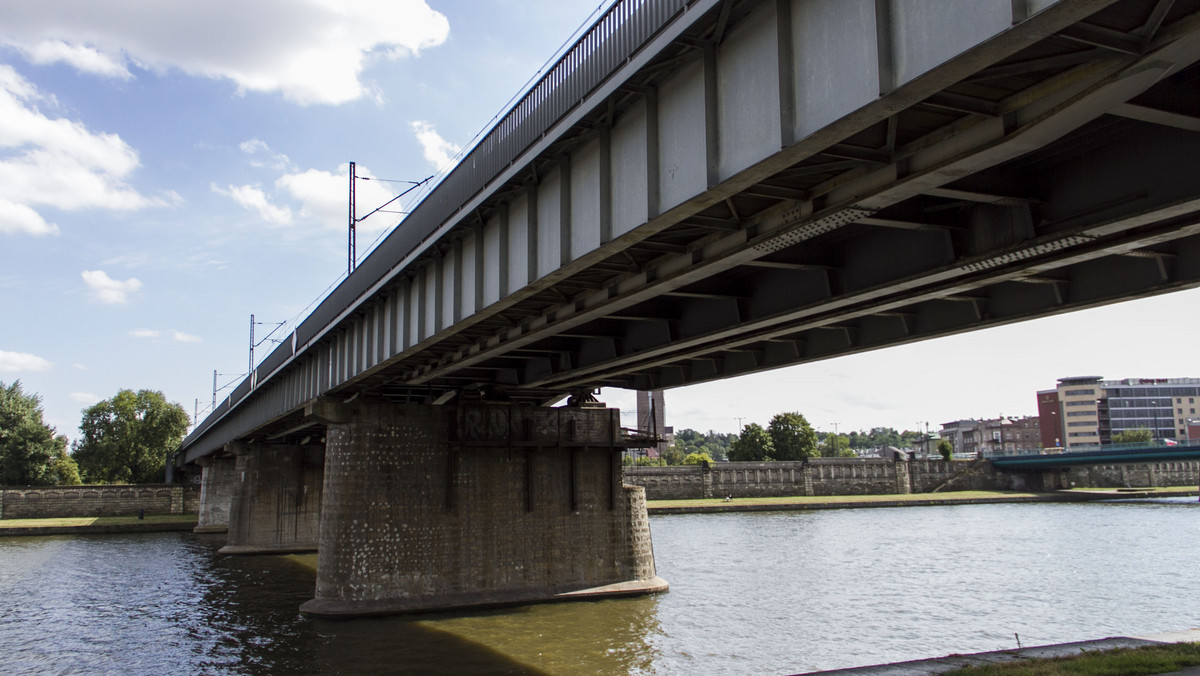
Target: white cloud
{"x": 19, "y": 218}
{"x": 108, "y": 290}
{"x": 86, "y": 398}
{"x": 310, "y": 51}
{"x": 80, "y": 57}
{"x": 81, "y": 367}
{"x": 22, "y": 361}
{"x": 437, "y": 151}
{"x": 263, "y": 156}
{"x": 322, "y": 196}
{"x": 56, "y": 162}
{"x": 178, "y": 336}
{"x": 254, "y": 199}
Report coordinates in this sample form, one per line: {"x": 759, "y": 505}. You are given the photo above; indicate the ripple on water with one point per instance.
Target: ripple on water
{"x": 750, "y": 593}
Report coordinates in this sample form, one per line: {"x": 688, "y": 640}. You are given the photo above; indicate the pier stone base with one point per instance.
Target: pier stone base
{"x": 216, "y": 494}
{"x": 276, "y": 503}
{"x": 432, "y": 508}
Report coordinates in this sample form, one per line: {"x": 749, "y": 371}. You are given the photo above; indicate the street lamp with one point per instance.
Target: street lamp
{"x": 1154, "y": 411}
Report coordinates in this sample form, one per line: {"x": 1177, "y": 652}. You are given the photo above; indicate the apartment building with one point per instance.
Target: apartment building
{"x": 1087, "y": 410}
{"x": 986, "y": 438}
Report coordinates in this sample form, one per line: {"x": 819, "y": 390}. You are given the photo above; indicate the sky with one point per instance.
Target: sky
{"x": 168, "y": 169}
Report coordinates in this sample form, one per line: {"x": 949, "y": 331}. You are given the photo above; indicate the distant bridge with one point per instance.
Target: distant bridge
{"x": 1105, "y": 455}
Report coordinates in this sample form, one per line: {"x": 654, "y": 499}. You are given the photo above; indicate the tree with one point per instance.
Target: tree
{"x": 1139, "y": 436}
{"x": 128, "y": 438}
{"x": 792, "y": 437}
{"x": 697, "y": 458}
{"x": 844, "y": 451}
{"x": 31, "y": 454}
{"x": 754, "y": 444}
{"x": 714, "y": 444}
{"x": 673, "y": 455}
{"x": 945, "y": 448}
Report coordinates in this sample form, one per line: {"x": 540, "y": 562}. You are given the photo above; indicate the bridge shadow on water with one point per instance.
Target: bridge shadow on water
{"x": 256, "y": 628}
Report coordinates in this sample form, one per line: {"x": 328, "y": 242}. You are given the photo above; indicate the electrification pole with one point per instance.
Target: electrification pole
{"x": 353, "y": 220}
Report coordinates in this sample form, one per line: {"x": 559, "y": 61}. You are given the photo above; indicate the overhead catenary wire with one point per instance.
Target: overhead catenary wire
{"x": 426, "y": 186}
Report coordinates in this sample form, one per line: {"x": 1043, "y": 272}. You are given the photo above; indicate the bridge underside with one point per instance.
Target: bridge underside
{"x": 1058, "y": 178}
{"x": 711, "y": 214}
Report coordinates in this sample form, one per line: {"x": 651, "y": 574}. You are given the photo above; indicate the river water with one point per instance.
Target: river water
{"x": 764, "y": 593}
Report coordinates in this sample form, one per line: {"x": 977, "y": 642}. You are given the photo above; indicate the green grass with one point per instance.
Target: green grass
{"x": 1140, "y": 489}
{"x": 1155, "y": 659}
{"x": 96, "y": 521}
{"x": 949, "y": 496}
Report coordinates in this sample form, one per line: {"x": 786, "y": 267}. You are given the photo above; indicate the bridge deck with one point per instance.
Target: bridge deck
{"x": 907, "y": 170}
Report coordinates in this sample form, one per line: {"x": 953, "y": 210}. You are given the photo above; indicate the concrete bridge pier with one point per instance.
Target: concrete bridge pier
{"x": 216, "y": 494}
{"x": 437, "y": 507}
{"x": 276, "y": 502}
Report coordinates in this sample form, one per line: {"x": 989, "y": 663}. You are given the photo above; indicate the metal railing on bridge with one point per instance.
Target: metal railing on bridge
{"x": 621, "y": 31}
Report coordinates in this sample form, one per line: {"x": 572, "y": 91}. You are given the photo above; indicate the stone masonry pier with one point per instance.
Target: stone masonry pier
{"x": 431, "y": 508}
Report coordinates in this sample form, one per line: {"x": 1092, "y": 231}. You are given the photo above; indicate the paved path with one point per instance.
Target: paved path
{"x": 941, "y": 665}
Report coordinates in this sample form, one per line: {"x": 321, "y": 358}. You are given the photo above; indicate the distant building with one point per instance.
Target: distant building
{"x": 651, "y": 419}
{"x": 986, "y": 438}
{"x": 1086, "y": 410}
{"x": 1048, "y": 417}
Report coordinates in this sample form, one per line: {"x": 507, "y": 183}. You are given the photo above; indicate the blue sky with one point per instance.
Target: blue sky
{"x": 168, "y": 169}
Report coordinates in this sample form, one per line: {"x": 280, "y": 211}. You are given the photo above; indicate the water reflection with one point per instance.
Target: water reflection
{"x": 751, "y": 593}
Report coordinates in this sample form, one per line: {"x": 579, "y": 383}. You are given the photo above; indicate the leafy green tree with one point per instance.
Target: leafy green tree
{"x": 1139, "y": 436}
{"x": 754, "y": 444}
{"x": 30, "y": 451}
{"x": 843, "y": 450}
{"x": 714, "y": 444}
{"x": 63, "y": 469}
{"x": 945, "y": 448}
{"x": 128, "y": 438}
{"x": 673, "y": 455}
{"x": 792, "y": 437}
{"x": 697, "y": 458}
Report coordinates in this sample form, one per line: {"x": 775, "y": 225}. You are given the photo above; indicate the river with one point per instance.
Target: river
{"x": 763, "y": 593}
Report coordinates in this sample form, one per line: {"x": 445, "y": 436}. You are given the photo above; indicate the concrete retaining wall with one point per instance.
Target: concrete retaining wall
{"x": 45, "y": 502}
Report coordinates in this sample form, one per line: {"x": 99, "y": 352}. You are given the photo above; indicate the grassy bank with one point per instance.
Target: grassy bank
{"x": 1155, "y": 659}
{"x": 905, "y": 500}
{"x": 97, "y": 524}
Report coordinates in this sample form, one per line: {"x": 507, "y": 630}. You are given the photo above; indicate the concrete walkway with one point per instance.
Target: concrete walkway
{"x": 941, "y": 665}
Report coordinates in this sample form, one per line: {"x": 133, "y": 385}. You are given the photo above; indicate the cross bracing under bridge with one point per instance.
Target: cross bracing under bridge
{"x": 707, "y": 189}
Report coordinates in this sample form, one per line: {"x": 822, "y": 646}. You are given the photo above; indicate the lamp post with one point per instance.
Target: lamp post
{"x": 1154, "y": 411}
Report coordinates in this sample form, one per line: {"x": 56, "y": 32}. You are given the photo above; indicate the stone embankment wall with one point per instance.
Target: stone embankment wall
{"x": 819, "y": 476}
{"x": 874, "y": 476}
{"x": 43, "y": 502}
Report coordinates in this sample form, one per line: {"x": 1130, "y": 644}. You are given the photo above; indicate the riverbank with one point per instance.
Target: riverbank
{"x": 953, "y": 663}
{"x": 97, "y": 524}
{"x": 186, "y": 522}
{"x": 814, "y": 502}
